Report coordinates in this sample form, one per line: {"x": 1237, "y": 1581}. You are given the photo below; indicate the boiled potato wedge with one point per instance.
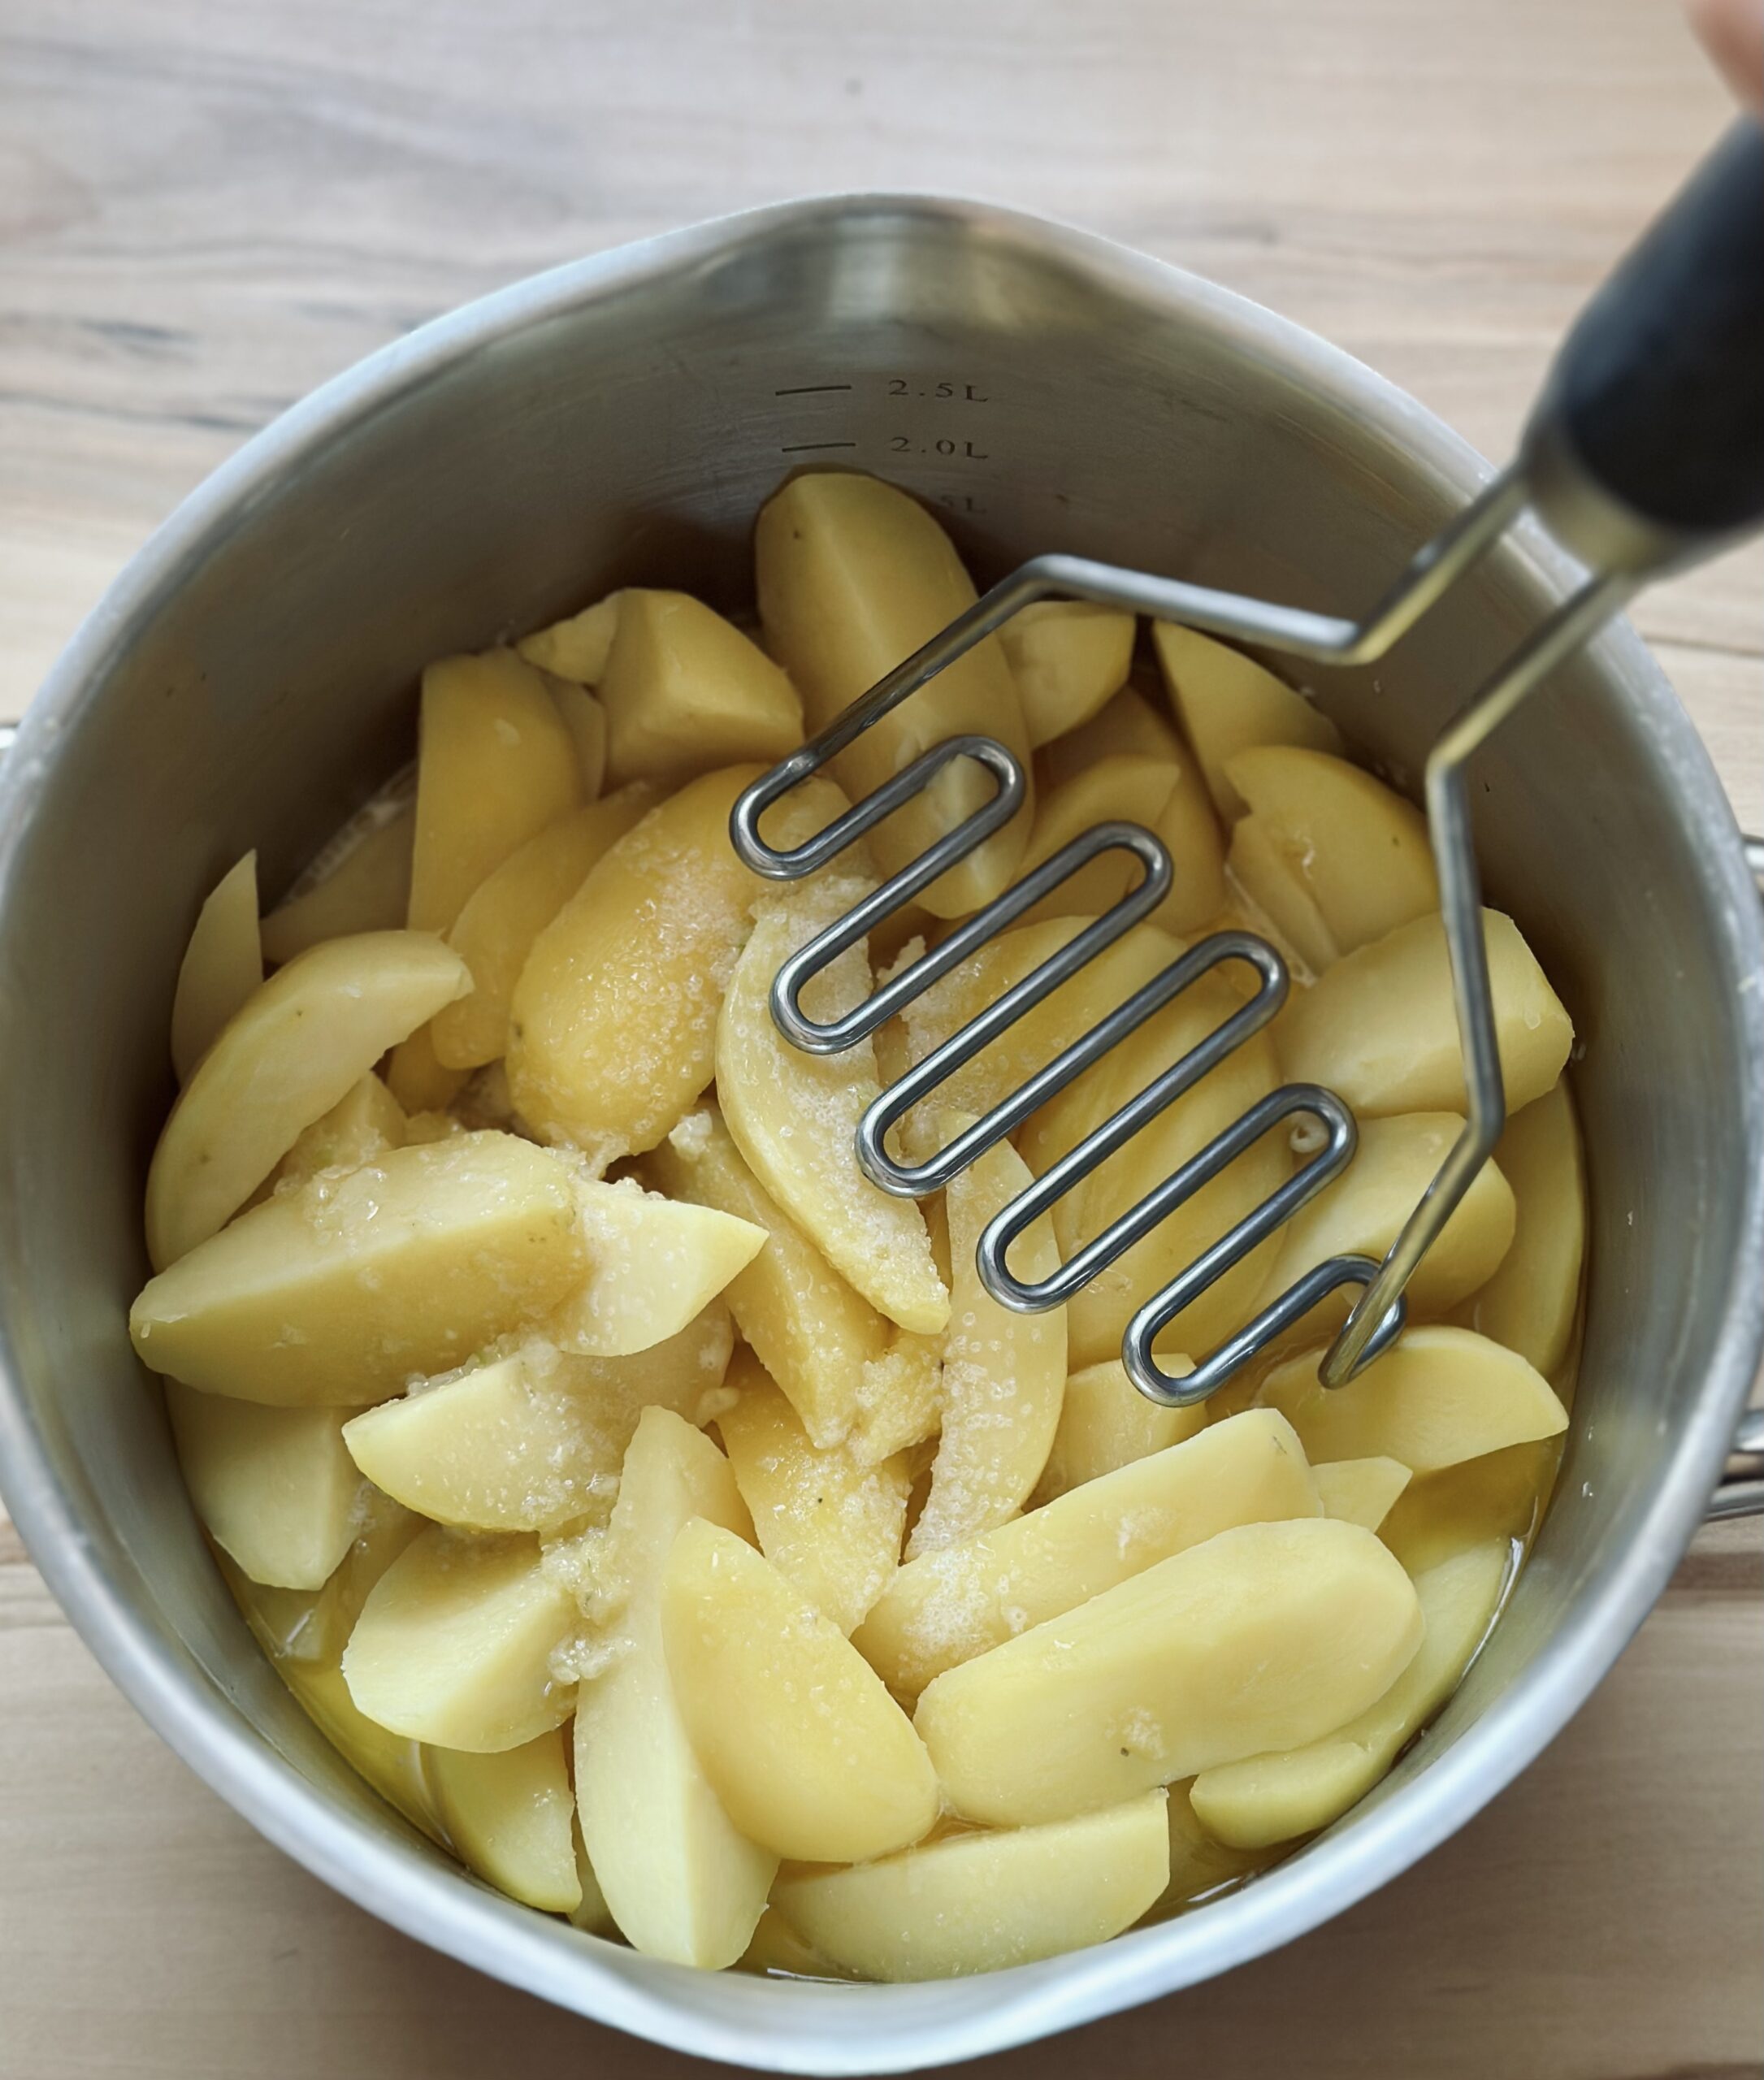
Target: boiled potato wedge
{"x": 680, "y": 1880}
{"x": 511, "y": 1817}
{"x": 900, "y": 1399}
{"x": 831, "y": 1526}
{"x": 1266, "y": 1799}
{"x": 496, "y": 763}
{"x": 453, "y": 1645}
{"x": 809, "y": 1754}
{"x": 794, "y": 1115}
{"x": 1380, "y": 1030}
{"x": 1201, "y": 1867}
{"x": 654, "y": 1263}
{"x": 1126, "y": 790}
{"x": 1105, "y": 1423}
{"x": 1128, "y": 726}
{"x": 585, "y": 719}
{"x": 494, "y": 933}
{"x": 223, "y": 965}
{"x": 685, "y": 692}
{"x": 853, "y": 576}
{"x": 337, "y": 1293}
{"x": 576, "y": 649}
{"x": 274, "y": 1486}
{"x": 1227, "y": 702}
{"x": 294, "y": 1049}
{"x": 1005, "y": 1374}
{"x": 1529, "y": 1302}
{"x": 1438, "y": 1396}
{"x": 957, "y": 1603}
{"x": 1360, "y": 1491}
{"x": 533, "y": 1440}
{"x": 364, "y": 1123}
{"x": 811, "y": 1330}
{"x": 1068, "y": 657}
{"x": 419, "y": 1079}
{"x": 983, "y": 1901}
{"x": 1267, "y": 1635}
{"x": 368, "y": 890}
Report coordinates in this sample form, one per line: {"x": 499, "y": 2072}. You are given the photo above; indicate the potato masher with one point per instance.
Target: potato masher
{"x": 1646, "y": 452}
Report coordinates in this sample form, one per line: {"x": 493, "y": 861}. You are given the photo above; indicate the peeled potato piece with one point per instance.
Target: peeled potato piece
{"x": 1273, "y": 1798}
{"x": 1105, "y": 1423}
{"x": 1227, "y": 702}
{"x": 368, "y": 890}
{"x": 900, "y": 1400}
{"x": 533, "y": 1440}
{"x": 952, "y": 1605}
{"x": 454, "y": 1643}
{"x": 1068, "y": 657}
{"x": 685, "y": 691}
{"x": 585, "y": 719}
{"x": 1529, "y": 1302}
{"x": 1126, "y": 790}
{"x": 338, "y": 1293}
{"x": 680, "y": 1880}
{"x": 510, "y": 1817}
{"x": 613, "y": 1029}
{"x": 810, "y": 1755}
{"x": 495, "y": 931}
{"x": 495, "y": 764}
{"x": 365, "y": 1122}
{"x": 419, "y": 1079}
{"x": 1360, "y": 1491}
{"x": 983, "y": 1901}
{"x": 813, "y": 1333}
{"x": 831, "y": 1526}
{"x": 576, "y": 649}
{"x": 793, "y": 1116}
{"x": 1380, "y": 1029}
{"x": 1438, "y": 1396}
{"x": 853, "y": 577}
{"x": 274, "y": 1486}
{"x": 289, "y": 1054}
{"x": 1005, "y": 1374}
{"x": 1199, "y": 1866}
{"x": 223, "y": 965}
{"x": 1128, "y": 726}
{"x": 654, "y": 1263}
{"x": 397, "y": 1768}
{"x": 1267, "y": 1635}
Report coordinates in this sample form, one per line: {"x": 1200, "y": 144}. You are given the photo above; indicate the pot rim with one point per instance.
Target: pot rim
{"x": 803, "y": 2027}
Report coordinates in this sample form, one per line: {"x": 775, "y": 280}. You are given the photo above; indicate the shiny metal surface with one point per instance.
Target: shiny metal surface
{"x": 251, "y": 679}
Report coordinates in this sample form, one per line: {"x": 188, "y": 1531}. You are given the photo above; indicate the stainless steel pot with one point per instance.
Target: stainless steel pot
{"x": 248, "y": 678}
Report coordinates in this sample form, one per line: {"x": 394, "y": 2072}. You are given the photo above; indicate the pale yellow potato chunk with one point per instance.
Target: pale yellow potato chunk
{"x": 1273, "y": 1798}
{"x": 1380, "y": 1030}
{"x": 952, "y": 1605}
{"x": 813, "y": 1333}
{"x": 809, "y": 1754}
{"x": 368, "y": 890}
{"x": 419, "y": 1079}
{"x": 511, "y": 1817}
{"x": 1353, "y": 848}
{"x": 495, "y": 931}
{"x": 1105, "y": 1423}
{"x": 1227, "y": 702}
{"x": 1128, "y": 726}
{"x": 294, "y": 1048}
{"x": 1201, "y": 1867}
{"x": 339, "y": 1292}
{"x": 274, "y": 1486}
{"x": 1068, "y": 657}
{"x": 983, "y": 1901}
{"x": 533, "y": 1440}
{"x": 1360, "y": 1491}
{"x": 1275, "y": 894}
{"x": 685, "y": 692}
{"x": 1366, "y": 1208}
{"x": 1267, "y": 1635}
{"x": 680, "y": 1880}
{"x": 853, "y": 577}
{"x": 612, "y": 1030}
{"x": 793, "y": 1116}
{"x": 1529, "y": 1302}
{"x": 585, "y": 719}
{"x": 1114, "y": 789}
{"x": 1438, "y": 1396}
{"x": 223, "y": 965}
{"x": 576, "y": 649}
{"x": 496, "y": 763}
{"x": 454, "y": 1644}
{"x": 831, "y": 1526}
{"x": 364, "y": 1123}
{"x": 1005, "y": 1374}
{"x": 900, "y": 1399}
{"x": 653, "y": 1264}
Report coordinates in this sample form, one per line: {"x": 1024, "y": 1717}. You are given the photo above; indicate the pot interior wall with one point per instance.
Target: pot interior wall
{"x": 630, "y": 436}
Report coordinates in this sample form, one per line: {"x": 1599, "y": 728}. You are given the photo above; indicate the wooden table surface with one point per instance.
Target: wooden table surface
{"x": 206, "y": 206}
